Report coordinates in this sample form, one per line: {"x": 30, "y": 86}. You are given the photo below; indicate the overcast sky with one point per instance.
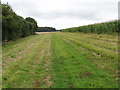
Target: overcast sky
{"x": 66, "y": 13}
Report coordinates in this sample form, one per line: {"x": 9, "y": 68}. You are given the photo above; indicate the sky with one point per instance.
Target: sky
{"x": 62, "y": 14}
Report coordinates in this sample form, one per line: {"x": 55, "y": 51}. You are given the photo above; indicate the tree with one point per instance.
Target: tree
{"x": 14, "y": 26}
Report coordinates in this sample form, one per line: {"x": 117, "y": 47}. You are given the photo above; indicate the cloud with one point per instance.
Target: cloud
{"x": 66, "y": 13}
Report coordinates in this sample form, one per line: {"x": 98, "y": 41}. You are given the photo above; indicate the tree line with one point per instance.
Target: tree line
{"x": 46, "y": 29}
{"x": 15, "y": 26}
{"x": 106, "y": 27}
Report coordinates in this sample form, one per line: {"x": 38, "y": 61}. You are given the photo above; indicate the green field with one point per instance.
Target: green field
{"x": 61, "y": 60}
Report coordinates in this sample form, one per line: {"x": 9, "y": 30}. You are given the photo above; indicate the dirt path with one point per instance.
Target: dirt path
{"x": 44, "y": 32}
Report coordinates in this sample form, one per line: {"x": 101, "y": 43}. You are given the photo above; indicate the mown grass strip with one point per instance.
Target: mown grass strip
{"x": 73, "y": 69}
{"x": 19, "y": 49}
{"x": 102, "y": 44}
{"x": 96, "y": 49}
{"x": 31, "y": 71}
{"x": 108, "y": 64}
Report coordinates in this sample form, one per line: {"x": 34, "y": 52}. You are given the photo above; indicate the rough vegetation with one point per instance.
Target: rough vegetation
{"x": 106, "y": 27}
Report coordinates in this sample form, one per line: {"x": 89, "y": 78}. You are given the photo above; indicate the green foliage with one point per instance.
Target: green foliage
{"x": 32, "y": 25}
{"x": 106, "y": 27}
{"x": 15, "y": 26}
{"x": 46, "y": 29}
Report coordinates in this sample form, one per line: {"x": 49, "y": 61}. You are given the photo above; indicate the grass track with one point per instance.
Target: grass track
{"x": 31, "y": 68}
{"x": 62, "y": 60}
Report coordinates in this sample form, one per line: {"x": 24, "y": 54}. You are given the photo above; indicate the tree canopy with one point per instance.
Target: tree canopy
{"x": 14, "y": 26}
{"x": 46, "y": 29}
